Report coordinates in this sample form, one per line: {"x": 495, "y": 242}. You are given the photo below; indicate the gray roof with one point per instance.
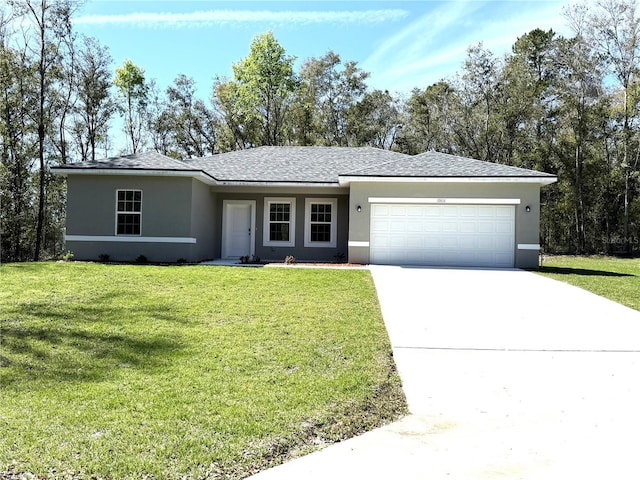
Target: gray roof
{"x": 435, "y": 164}
{"x": 312, "y": 165}
{"x": 292, "y": 164}
{"x": 137, "y": 161}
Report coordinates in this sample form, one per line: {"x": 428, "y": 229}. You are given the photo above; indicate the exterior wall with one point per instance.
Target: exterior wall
{"x": 183, "y": 217}
{"x": 91, "y": 214}
{"x": 527, "y": 226}
{"x": 204, "y": 216}
{"x": 299, "y": 251}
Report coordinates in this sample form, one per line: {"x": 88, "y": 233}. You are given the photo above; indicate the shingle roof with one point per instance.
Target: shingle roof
{"x": 311, "y": 165}
{"x": 292, "y": 164}
{"x": 435, "y": 164}
{"x": 138, "y": 161}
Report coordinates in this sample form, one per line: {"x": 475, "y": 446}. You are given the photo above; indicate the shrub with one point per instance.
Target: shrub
{"x": 141, "y": 259}
{"x": 68, "y": 256}
{"x": 104, "y": 257}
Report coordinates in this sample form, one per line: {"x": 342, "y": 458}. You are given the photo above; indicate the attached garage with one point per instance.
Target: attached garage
{"x": 463, "y": 235}
{"x": 436, "y": 209}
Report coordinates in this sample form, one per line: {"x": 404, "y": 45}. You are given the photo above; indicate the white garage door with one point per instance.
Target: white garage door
{"x": 444, "y": 235}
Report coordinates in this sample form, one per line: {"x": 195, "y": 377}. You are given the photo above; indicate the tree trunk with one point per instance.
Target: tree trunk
{"x": 41, "y": 134}
{"x": 579, "y": 204}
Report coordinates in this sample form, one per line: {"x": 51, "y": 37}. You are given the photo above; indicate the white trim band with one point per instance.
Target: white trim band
{"x": 358, "y": 244}
{"x": 528, "y": 246}
{"x": 127, "y": 239}
{"x": 448, "y": 201}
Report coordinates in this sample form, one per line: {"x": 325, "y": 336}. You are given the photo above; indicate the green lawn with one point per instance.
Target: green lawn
{"x": 185, "y": 372}
{"x": 615, "y": 278}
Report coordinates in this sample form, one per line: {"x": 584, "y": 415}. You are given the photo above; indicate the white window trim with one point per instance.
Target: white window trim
{"x": 307, "y": 222}
{"x": 118, "y": 212}
{"x": 292, "y": 222}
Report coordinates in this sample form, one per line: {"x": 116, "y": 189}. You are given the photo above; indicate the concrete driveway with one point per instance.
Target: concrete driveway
{"x": 508, "y": 375}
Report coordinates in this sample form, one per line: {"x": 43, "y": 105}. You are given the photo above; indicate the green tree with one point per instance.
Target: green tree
{"x": 530, "y": 111}
{"x": 613, "y": 28}
{"x": 239, "y": 129}
{"x": 579, "y": 96}
{"x": 133, "y": 96}
{"x": 264, "y": 87}
{"x": 329, "y": 91}
{"x": 46, "y": 32}
{"x": 160, "y": 122}
{"x": 18, "y": 148}
{"x": 481, "y": 94}
{"x": 95, "y": 105}
{"x": 430, "y": 117}
{"x": 374, "y": 121}
{"x": 192, "y": 122}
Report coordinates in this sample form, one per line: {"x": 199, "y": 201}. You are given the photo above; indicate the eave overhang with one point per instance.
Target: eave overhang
{"x": 197, "y": 174}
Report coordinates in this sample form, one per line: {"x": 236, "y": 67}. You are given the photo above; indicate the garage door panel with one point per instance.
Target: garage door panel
{"x": 504, "y": 211}
{"x": 468, "y": 227}
{"x": 380, "y": 210}
{"x": 486, "y": 227}
{"x": 502, "y": 244}
{"x": 504, "y": 227}
{"x": 414, "y": 211}
{"x": 449, "y": 226}
{"x": 396, "y": 226}
{"x": 415, "y": 243}
{"x": 487, "y": 213}
{"x": 432, "y": 211}
{"x": 467, "y": 243}
{"x": 414, "y": 227}
{"x": 443, "y": 235}
{"x": 468, "y": 212}
{"x": 398, "y": 242}
{"x": 380, "y": 225}
{"x": 490, "y": 243}
{"x": 398, "y": 211}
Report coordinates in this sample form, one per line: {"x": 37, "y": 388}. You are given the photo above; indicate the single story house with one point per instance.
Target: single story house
{"x": 361, "y": 205}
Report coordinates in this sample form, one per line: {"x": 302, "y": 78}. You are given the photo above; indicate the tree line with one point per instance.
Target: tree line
{"x": 569, "y": 106}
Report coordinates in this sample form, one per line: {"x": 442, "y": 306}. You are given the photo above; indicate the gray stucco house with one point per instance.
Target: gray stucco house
{"x": 315, "y": 203}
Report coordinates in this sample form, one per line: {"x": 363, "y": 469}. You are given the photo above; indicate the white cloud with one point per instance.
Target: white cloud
{"x": 207, "y": 18}
{"x": 434, "y": 46}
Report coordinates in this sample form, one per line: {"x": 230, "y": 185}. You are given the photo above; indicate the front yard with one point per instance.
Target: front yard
{"x": 615, "y": 278}
{"x": 185, "y": 372}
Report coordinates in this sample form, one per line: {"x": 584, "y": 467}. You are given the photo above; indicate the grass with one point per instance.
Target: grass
{"x": 615, "y": 278}
{"x": 185, "y": 372}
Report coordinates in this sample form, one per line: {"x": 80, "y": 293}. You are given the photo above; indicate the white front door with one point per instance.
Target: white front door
{"x": 238, "y": 228}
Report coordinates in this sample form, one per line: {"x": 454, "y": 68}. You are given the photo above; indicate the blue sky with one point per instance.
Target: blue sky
{"x": 403, "y": 44}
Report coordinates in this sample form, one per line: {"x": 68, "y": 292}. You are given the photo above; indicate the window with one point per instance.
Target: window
{"x": 128, "y": 212}
{"x": 320, "y": 222}
{"x": 279, "y": 222}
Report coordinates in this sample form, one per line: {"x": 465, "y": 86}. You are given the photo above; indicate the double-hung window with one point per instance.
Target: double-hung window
{"x": 320, "y": 222}
{"x": 128, "y": 212}
{"x": 279, "y": 222}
